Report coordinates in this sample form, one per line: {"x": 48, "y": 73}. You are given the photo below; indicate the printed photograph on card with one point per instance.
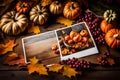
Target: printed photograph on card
{"x": 43, "y": 46}
{"x": 75, "y": 41}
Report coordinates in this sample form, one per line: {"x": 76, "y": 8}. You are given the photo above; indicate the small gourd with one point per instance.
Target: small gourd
{"x": 72, "y": 10}
{"x": 13, "y": 23}
{"x": 22, "y": 7}
{"x": 56, "y": 7}
{"x": 39, "y": 15}
{"x": 109, "y": 21}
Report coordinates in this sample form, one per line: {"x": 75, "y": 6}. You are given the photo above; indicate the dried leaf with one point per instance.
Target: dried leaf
{"x": 68, "y": 71}
{"x": 34, "y": 66}
{"x": 4, "y": 48}
{"x": 15, "y": 59}
{"x": 110, "y": 61}
{"x": 34, "y": 29}
{"x": 34, "y": 60}
{"x": 55, "y": 67}
{"x": 65, "y": 21}
{"x": 45, "y": 2}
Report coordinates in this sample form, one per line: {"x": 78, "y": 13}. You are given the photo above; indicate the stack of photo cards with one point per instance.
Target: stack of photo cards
{"x": 53, "y": 46}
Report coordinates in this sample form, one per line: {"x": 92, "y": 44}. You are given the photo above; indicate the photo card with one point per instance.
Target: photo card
{"x": 75, "y": 41}
{"x": 43, "y": 46}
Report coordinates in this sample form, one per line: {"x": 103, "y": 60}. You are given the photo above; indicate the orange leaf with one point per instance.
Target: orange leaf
{"x": 65, "y": 21}
{"x": 45, "y": 2}
{"x": 15, "y": 59}
{"x": 34, "y": 66}
{"x": 68, "y": 71}
{"x": 34, "y": 60}
{"x": 55, "y": 67}
{"x": 34, "y": 29}
{"x": 111, "y": 61}
{"x": 4, "y": 48}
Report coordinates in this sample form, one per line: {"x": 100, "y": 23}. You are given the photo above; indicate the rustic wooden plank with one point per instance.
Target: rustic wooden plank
{"x": 88, "y": 75}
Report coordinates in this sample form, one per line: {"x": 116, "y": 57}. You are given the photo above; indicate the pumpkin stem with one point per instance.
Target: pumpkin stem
{"x": 23, "y": 5}
{"x": 72, "y": 6}
{"x": 56, "y": 2}
{"x": 13, "y": 18}
{"x": 40, "y": 12}
{"x": 116, "y": 36}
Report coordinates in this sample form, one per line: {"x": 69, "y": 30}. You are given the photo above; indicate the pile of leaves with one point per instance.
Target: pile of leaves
{"x": 35, "y": 66}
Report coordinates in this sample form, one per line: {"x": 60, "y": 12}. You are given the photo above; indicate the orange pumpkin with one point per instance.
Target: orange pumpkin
{"x": 112, "y": 38}
{"x": 105, "y": 26}
{"x": 84, "y": 39}
{"x": 72, "y": 34}
{"x": 67, "y": 37}
{"x": 22, "y": 7}
{"x": 70, "y": 41}
{"x": 72, "y": 10}
{"x": 77, "y": 38}
{"x": 84, "y": 33}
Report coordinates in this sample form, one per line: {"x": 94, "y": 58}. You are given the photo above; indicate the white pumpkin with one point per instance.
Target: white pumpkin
{"x": 39, "y": 15}
{"x": 13, "y": 23}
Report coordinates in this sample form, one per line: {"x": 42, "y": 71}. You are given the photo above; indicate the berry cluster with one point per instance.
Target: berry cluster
{"x": 77, "y": 64}
{"x": 103, "y": 59}
{"x": 93, "y": 23}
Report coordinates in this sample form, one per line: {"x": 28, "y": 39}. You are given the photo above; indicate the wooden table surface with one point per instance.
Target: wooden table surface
{"x": 96, "y": 73}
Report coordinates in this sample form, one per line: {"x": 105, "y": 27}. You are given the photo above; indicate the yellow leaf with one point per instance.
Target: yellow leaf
{"x": 111, "y": 61}
{"x": 68, "y": 71}
{"x": 65, "y": 21}
{"x": 34, "y": 66}
{"x": 55, "y": 67}
{"x": 15, "y": 59}
{"x": 4, "y": 48}
{"x": 34, "y": 29}
{"x": 34, "y": 60}
{"x": 42, "y": 69}
{"x": 45, "y": 2}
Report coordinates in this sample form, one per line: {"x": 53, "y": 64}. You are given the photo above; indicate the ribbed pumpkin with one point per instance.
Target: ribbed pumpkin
{"x": 112, "y": 38}
{"x": 72, "y": 10}
{"x": 39, "y": 15}
{"x": 56, "y": 7}
{"x": 13, "y": 23}
{"x": 109, "y": 21}
{"x": 22, "y": 7}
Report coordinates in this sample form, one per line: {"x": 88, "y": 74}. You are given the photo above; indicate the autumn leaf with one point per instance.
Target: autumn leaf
{"x": 68, "y": 71}
{"x": 55, "y": 67}
{"x": 7, "y": 47}
{"x": 64, "y": 21}
{"x": 45, "y": 2}
{"x": 15, "y": 59}
{"x": 110, "y": 61}
{"x": 34, "y": 60}
{"x": 35, "y": 66}
{"x": 33, "y": 29}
